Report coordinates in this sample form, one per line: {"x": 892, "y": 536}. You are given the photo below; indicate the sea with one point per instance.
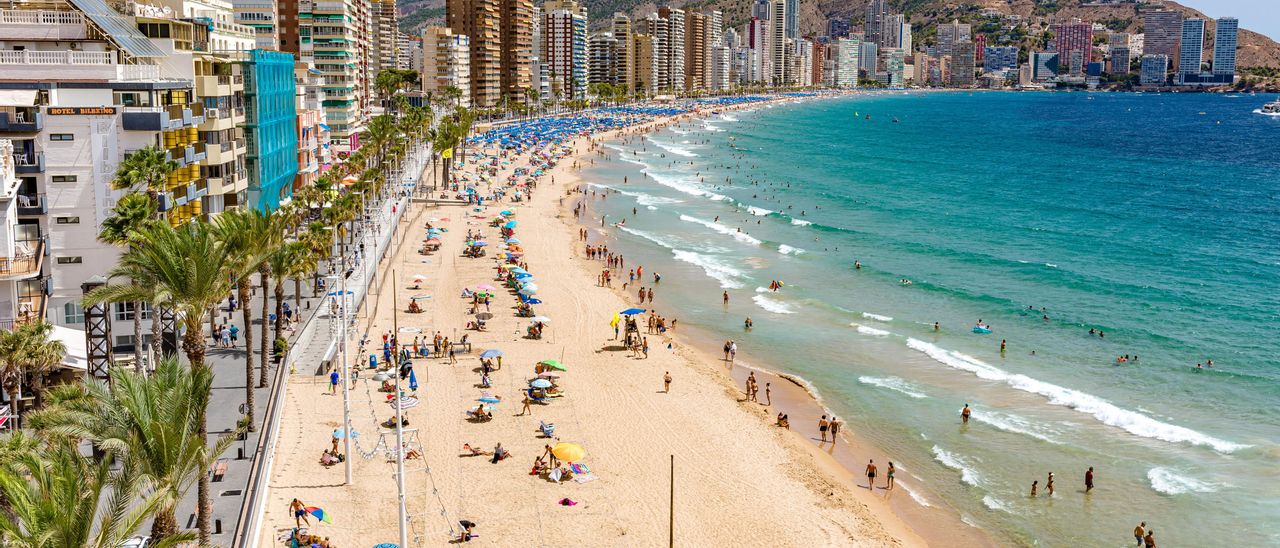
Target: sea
{"x": 1080, "y": 227}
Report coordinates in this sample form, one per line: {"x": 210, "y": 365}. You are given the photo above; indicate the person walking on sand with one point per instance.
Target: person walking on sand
{"x": 733, "y": 351}
{"x": 726, "y": 350}
{"x": 527, "y": 408}
{"x": 726, "y": 298}
{"x": 666, "y": 383}
{"x": 1048, "y": 484}
{"x": 333, "y": 382}
{"x": 964, "y": 414}
{"x": 1139, "y": 532}
{"x": 650, "y": 296}
{"x": 888, "y": 479}
{"x": 767, "y": 400}
{"x": 871, "y": 474}
{"x": 1088, "y": 480}
{"x": 835, "y": 429}
{"x": 299, "y": 512}
{"x": 822, "y": 428}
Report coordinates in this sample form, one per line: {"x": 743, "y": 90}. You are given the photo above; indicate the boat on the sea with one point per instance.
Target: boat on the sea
{"x": 1270, "y": 109}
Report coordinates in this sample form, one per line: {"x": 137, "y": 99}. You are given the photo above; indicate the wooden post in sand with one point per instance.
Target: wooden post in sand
{"x": 671, "y": 522}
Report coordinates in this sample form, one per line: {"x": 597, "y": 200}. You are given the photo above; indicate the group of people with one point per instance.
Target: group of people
{"x": 226, "y": 336}
{"x": 753, "y": 390}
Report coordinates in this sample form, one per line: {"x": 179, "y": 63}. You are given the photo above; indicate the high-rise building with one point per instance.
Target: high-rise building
{"x": 1162, "y": 32}
{"x": 1191, "y": 52}
{"x": 847, "y": 51}
{"x": 894, "y": 62}
{"x": 501, "y": 37}
{"x": 645, "y": 63}
{"x": 779, "y": 53}
{"x": 819, "y": 65}
{"x": 674, "y": 48}
{"x": 721, "y": 67}
{"x": 949, "y": 34}
{"x": 446, "y": 62}
{"x": 405, "y": 46}
{"x": 658, "y": 30}
{"x": 757, "y": 33}
{"x": 517, "y": 48}
{"x": 897, "y": 32}
{"x": 874, "y": 22}
{"x": 602, "y": 58}
{"x": 868, "y": 58}
{"x": 1154, "y": 70}
{"x": 624, "y": 69}
{"x": 1121, "y": 59}
{"x": 1224, "y": 46}
{"x": 714, "y": 37}
{"x": 263, "y": 18}
{"x": 962, "y": 59}
{"x": 695, "y": 52}
{"x": 998, "y": 58}
{"x": 1118, "y": 40}
{"x": 565, "y": 47}
{"x": 312, "y": 126}
{"x": 383, "y": 54}
{"x": 762, "y": 9}
{"x": 270, "y": 128}
{"x": 1074, "y": 37}
{"x": 793, "y": 20}
{"x": 1044, "y": 65}
{"x": 838, "y": 28}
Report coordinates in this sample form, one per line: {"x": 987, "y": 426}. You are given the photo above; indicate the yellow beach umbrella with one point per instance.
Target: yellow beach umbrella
{"x": 568, "y": 452}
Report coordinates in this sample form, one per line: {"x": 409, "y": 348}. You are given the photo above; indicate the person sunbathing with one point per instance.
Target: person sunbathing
{"x": 474, "y": 452}
{"x": 499, "y": 453}
{"x": 539, "y": 467}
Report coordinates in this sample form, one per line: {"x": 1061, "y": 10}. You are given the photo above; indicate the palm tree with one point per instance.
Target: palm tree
{"x": 130, "y": 213}
{"x": 145, "y": 170}
{"x": 66, "y": 500}
{"x": 190, "y": 264}
{"x": 28, "y": 351}
{"x": 283, "y": 262}
{"x": 150, "y": 423}
{"x": 251, "y": 236}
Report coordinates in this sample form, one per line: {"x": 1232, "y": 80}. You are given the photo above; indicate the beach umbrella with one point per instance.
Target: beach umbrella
{"x": 491, "y": 353}
{"x": 523, "y": 275}
{"x": 540, "y": 383}
{"x": 336, "y": 293}
{"x": 549, "y": 375}
{"x": 419, "y": 277}
{"x": 484, "y": 316}
{"x": 509, "y": 267}
{"x": 518, "y": 270}
{"x": 413, "y": 380}
{"x": 508, "y": 212}
{"x": 513, "y": 240}
{"x": 480, "y": 243}
{"x": 529, "y": 289}
{"x": 380, "y": 377}
{"x": 533, "y": 301}
{"x": 319, "y": 513}
{"x": 510, "y": 224}
{"x": 406, "y": 402}
{"x": 631, "y": 311}
{"x": 341, "y": 433}
{"x": 387, "y": 545}
{"x": 554, "y": 364}
{"x": 540, "y": 319}
{"x": 568, "y": 452}
{"x": 485, "y": 287}
{"x": 488, "y": 399}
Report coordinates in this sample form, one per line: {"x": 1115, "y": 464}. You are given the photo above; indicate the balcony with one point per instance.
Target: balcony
{"x": 42, "y": 25}
{"x": 25, "y": 262}
{"x": 28, "y": 163}
{"x": 21, "y": 120}
{"x": 163, "y": 118}
{"x": 72, "y": 66}
{"x": 32, "y": 204}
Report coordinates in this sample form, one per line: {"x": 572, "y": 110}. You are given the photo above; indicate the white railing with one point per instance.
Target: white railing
{"x": 40, "y": 17}
{"x": 30, "y": 57}
{"x": 138, "y": 72}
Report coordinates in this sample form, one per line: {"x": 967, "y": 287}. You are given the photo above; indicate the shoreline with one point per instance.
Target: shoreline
{"x": 791, "y": 393}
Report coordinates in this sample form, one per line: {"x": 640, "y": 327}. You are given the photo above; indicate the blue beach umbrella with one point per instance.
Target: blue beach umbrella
{"x": 513, "y": 240}
{"x": 510, "y": 224}
{"x": 540, "y": 383}
{"x": 491, "y": 353}
{"x": 413, "y": 380}
{"x": 523, "y": 275}
{"x": 488, "y": 399}
{"x": 631, "y": 311}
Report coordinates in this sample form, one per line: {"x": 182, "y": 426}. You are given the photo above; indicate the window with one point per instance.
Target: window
{"x": 70, "y": 260}
{"x": 64, "y": 178}
{"x": 62, "y": 137}
{"x": 72, "y": 313}
{"x": 123, "y": 311}
{"x": 68, "y": 220}
{"x": 146, "y": 311}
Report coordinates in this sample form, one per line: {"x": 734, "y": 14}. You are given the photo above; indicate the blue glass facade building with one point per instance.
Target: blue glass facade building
{"x": 270, "y": 127}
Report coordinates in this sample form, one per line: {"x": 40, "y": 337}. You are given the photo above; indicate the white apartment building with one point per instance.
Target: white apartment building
{"x": 446, "y": 62}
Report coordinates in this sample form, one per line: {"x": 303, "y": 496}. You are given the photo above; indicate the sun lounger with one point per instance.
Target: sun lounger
{"x": 548, "y": 429}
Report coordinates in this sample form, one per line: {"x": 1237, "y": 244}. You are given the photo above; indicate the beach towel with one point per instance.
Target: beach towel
{"x": 582, "y": 474}
{"x": 568, "y": 502}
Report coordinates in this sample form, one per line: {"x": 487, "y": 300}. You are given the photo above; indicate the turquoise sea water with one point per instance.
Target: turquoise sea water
{"x": 1131, "y": 214}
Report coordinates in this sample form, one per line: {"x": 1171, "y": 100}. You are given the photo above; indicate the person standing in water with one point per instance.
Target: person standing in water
{"x": 726, "y": 298}
{"x": 1088, "y": 480}
{"x": 1139, "y": 532}
{"x": 1034, "y": 485}
{"x": 888, "y": 480}
{"x": 1048, "y": 485}
{"x": 964, "y": 414}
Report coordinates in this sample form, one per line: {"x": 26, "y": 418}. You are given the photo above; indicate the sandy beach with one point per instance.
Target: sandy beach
{"x": 738, "y": 478}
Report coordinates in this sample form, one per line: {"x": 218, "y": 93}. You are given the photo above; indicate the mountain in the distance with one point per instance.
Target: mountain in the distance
{"x": 1255, "y": 50}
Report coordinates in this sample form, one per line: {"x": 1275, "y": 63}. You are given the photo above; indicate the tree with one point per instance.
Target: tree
{"x": 284, "y": 264}
{"x": 133, "y": 211}
{"x": 189, "y": 263}
{"x": 250, "y": 236}
{"x": 59, "y": 499}
{"x": 145, "y": 170}
{"x": 151, "y": 424}
{"x": 28, "y": 351}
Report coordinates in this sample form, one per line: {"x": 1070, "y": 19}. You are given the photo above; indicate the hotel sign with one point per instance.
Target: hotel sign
{"x": 81, "y": 111}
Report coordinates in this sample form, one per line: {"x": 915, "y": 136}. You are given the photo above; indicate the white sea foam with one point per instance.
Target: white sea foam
{"x": 717, "y": 270}
{"x": 868, "y": 330}
{"x": 740, "y": 236}
{"x": 876, "y": 317}
{"x": 1169, "y": 482}
{"x": 914, "y": 495}
{"x": 772, "y": 305}
{"x": 996, "y": 504}
{"x": 642, "y": 198}
{"x": 674, "y": 148}
{"x": 676, "y": 183}
{"x": 967, "y": 474}
{"x": 728, "y": 118}
{"x": 1106, "y": 412}
{"x": 800, "y": 222}
{"x": 788, "y": 250}
{"x": 895, "y": 384}
{"x": 758, "y": 211}
{"x": 648, "y": 236}
{"x": 1016, "y": 425}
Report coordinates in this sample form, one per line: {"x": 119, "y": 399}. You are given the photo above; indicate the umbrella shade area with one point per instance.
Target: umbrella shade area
{"x": 484, "y": 316}
{"x": 554, "y": 364}
{"x": 540, "y": 383}
{"x": 540, "y": 319}
{"x": 632, "y": 311}
{"x": 406, "y": 402}
{"x": 569, "y": 452}
{"x": 488, "y": 399}
{"x": 491, "y": 353}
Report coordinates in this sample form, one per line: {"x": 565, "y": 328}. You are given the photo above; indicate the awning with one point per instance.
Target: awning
{"x": 77, "y": 352}
{"x": 17, "y": 97}
{"x": 325, "y": 126}
{"x": 118, "y": 28}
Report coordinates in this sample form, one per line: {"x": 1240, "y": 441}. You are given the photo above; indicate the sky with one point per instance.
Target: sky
{"x": 1256, "y": 15}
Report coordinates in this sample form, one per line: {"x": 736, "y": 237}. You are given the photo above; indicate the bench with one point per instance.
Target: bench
{"x": 218, "y": 470}
{"x": 466, "y": 347}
